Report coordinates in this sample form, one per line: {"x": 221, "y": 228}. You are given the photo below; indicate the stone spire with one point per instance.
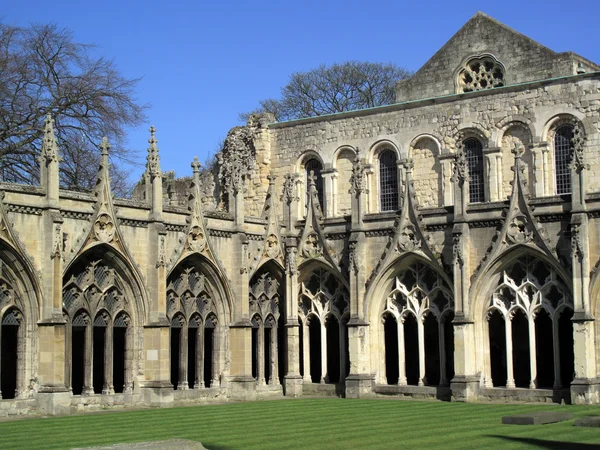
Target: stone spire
{"x": 49, "y": 162}
{"x": 153, "y": 176}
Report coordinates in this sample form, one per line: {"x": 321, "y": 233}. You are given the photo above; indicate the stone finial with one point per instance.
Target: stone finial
{"x": 49, "y": 146}
{"x": 196, "y": 165}
{"x": 105, "y": 146}
{"x": 312, "y": 178}
{"x": 271, "y": 179}
{"x": 153, "y": 160}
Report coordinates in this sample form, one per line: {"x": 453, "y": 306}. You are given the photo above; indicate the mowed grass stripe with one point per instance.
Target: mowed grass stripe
{"x": 314, "y": 423}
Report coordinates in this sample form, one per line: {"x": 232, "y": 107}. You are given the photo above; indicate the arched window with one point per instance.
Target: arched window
{"x": 388, "y": 181}
{"x": 563, "y": 146}
{"x": 474, "y": 155}
{"x": 313, "y": 165}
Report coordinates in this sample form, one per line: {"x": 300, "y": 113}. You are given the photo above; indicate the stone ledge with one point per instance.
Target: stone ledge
{"x": 537, "y": 418}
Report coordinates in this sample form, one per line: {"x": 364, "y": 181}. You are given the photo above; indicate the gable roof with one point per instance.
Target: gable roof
{"x": 523, "y": 58}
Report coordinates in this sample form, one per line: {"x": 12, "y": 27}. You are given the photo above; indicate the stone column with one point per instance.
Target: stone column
{"x": 447, "y": 186}
{"x": 183, "y": 384}
{"x": 401, "y": 353}
{"x": 556, "y": 353}
{"x": 128, "y": 386}
{"x": 532, "y": 353}
{"x": 342, "y": 354}
{"x": 421, "y": 334}
{"x": 540, "y": 151}
{"x": 199, "y": 382}
{"x": 493, "y": 187}
{"x": 216, "y": 345}
{"x": 510, "y": 378}
{"x": 260, "y": 352}
{"x": 108, "y": 387}
{"x": 324, "y": 374}
{"x": 274, "y": 356}
{"x": 88, "y": 383}
{"x": 330, "y": 194}
{"x": 306, "y": 346}
{"x": 442, "y": 346}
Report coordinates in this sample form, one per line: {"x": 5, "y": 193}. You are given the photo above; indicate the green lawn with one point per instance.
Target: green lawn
{"x": 310, "y": 423}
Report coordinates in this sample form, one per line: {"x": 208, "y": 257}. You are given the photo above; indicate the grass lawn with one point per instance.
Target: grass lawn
{"x": 310, "y": 423}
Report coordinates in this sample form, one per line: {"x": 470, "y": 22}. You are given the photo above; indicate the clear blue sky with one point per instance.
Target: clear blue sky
{"x": 204, "y": 62}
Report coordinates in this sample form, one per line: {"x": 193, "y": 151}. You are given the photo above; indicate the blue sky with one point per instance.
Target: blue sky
{"x": 203, "y": 63}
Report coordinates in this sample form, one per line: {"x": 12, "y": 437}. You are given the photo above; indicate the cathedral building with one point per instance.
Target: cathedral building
{"x": 445, "y": 246}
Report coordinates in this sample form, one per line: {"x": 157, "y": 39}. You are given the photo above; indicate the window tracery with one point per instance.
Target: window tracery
{"x": 481, "y": 73}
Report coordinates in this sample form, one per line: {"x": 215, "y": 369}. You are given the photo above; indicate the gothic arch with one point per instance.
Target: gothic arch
{"x": 571, "y": 117}
{"x": 509, "y": 121}
{"x": 414, "y": 291}
{"x": 424, "y": 152}
{"x": 518, "y": 285}
{"x": 218, "y": 283}
{"x": 306, "y": 156}
{"x": 473, "y": 130}
{"x": 338, "y": 151}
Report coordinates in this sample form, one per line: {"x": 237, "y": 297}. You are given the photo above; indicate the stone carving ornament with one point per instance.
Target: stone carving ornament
{"x": 358, "y": 181}
{"x": 104, "y": 228}
{"x": 289, "y": 188}
{"x": 272, "y": 246}
{"x": 518, "y": 231}
{"x": 408, "y": 241}
{"x": 481, "y": 73}
{"x": 576, "y": 243}
{"x": 313, "y": 248}
{"x": 578, "y": 144}
{"x": 196, "y": 239}
{"x": 461, "y": 167}
{"x": 291, "y": 265}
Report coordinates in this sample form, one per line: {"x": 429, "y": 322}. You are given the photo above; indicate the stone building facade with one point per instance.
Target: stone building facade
{"x": 445, "y": 246}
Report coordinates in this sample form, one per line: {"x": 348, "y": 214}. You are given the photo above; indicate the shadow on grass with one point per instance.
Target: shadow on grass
{"x": 542, "y": 443}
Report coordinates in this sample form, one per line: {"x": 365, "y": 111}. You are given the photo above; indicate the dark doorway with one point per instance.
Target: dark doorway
{"x": 449, "y": 345}
{"x": 301, "y": 345}
{"x": 432, "y": 350}
{"x": 520, "y": 342}
{"x": 565, "y": 343}
{"x": 544, "y": 350}
{"x": 78, "y": 361}
{"x": 390, "y": 331}
{"x": 267, "y": 353}
{"x": 208, "y": 356}
{"x": 347, "y": 347}
{"x": 175, "y": 340}
{"x": 314, "y": 330}
{"x": 192, "y": 355}
{"x": 10, "y": 337}
{"x": 119, "y": 342}
{"x": 333, "y": 349}
{"x": 98, "y": 372}
{"x": 411, "y": 349}
{"x": 497, "y": 334}
{"x": 281, "y": 349}
{"x": 255, "y": 331}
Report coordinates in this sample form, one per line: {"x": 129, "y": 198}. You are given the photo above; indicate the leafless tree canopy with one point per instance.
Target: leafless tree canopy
{"x": 43, "y": 71}
{"x": 333, "y": 89}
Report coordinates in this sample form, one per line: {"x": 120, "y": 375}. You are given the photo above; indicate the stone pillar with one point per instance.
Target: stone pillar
{"x": 442, "y": 350}
{"x": 108, "y": 387}
{"x": 274, "y": 380}
{"x": 260, "y": 347}
{"x": 183, "y": 359}
{"x": 510, "y": 378}
{"x": 540, "y": 152}
{"x": 199, "y": 382}
{"x": 532, "y": 354}
{"x": 330, "y": 195}
{"x": 88, "y": 384}
{"x": 421, "y": 334}
{"x": 128, "y": 386}
{"x": 556, "y": 353}
{"x": 324, "y": 373}
{"x": 401, "y": 354}
{"x": 306, "y": 346}
{"x": 493, "y": 159}
{"x": 447, "y": 186}
{"x": 342, "y": 354}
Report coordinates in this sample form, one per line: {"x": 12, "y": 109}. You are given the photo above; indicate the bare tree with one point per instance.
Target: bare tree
{"x": 333, "y": 89}
{"x": 42, "y": 70}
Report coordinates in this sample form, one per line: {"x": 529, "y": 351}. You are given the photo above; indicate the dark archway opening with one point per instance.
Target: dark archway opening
{"x": 255, "y": 351}
{"x": 281, "y": 348}
{"x": 565, "y": 344}
{"x": 520, "y": 342}
{"x": 497, "y": 334}
{"x": 390, "y": 331}
{"x": 411, "y": 349}
{"x": 267, "y": 353}
{"x": 432, "y": 350}
{"x": 175, "y": 341}
{"x": 119, "y": 343}
{"x": 208, "y": 355}
{"x": 347, "y": 347}
{"x": 315, "y": 349}
{"x": 98, "y": 363}
{"x": 192, "y": 354}
{"x": 78, "y": 362}
{"x": 301, "y": 346}
{"x": 544, "y": 350}
{"x": 8, "y": 379}
{"x": 449, "y": 345}
{"x": 333, "y": 349}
